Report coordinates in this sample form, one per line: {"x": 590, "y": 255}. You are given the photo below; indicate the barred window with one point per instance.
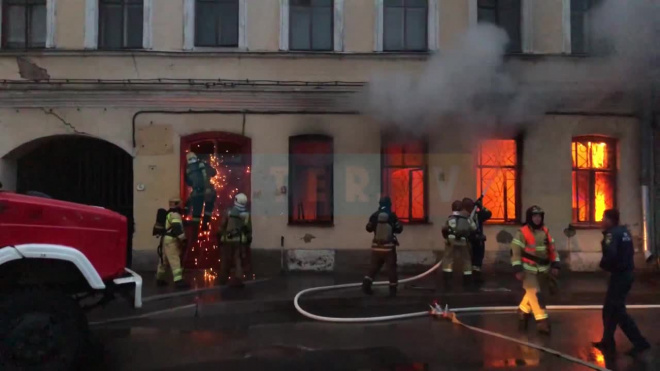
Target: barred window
{"x": 594, "y": 178}
{"x": 404, "y": 172}
{"x": 498, "y": 177}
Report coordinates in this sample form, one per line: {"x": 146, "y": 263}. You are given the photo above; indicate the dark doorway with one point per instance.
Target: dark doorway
{"x": 79, "y": 169}
{"x": 230, "y": 156}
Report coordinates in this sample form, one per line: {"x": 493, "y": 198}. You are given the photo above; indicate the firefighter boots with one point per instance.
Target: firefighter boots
{"x": 366, "y": 286}
{"x": 543, "y": 327}
{"x": 523, "y": 320}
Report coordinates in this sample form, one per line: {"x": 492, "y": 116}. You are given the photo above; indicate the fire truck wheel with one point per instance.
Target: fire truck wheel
{"x": 41, "y": 329}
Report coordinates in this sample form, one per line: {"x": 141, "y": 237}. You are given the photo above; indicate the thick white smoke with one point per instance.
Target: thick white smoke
{"x": 472, "y": 85}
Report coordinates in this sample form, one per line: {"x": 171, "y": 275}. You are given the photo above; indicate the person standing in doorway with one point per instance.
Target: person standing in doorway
{"x": 384, "y": 224}
{"x": 618, "y": 252}
{"x": 477, "y": 239}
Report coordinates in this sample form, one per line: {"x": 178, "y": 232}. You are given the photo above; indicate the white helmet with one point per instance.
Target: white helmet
{"x": 240, "y": 199}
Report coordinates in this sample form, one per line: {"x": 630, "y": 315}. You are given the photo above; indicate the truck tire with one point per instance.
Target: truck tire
{"x": 42, "y": 329}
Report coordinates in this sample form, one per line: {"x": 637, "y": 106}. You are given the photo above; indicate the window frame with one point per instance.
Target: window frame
{"x": 51, "y": 5}
{"x": 92, "y": 26}
{"x": 291, "y": 179}
{"x": 337, "y": 29}
{"x": 432, "y": 28}
{"x": 311, "y": 33}
{"x": 125, "y": 6}
{"x": 217, "y": 44}
{"x": 426, "y": 31}
{"x": 525, "y": 24}
{"x": 613, "y": 171}
{"x": 389, "y": 139}
{"x": 518, "y": 168}
{"x": 588, "y": 37}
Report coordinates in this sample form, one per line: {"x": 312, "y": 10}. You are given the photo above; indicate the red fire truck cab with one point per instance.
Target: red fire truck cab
{"x": 55, "y": 257}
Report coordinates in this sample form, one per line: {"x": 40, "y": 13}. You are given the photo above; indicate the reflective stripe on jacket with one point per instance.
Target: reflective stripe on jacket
{"x": 531, "y": 245}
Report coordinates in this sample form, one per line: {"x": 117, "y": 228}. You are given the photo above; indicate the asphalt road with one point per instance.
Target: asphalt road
{"x": 285, "y": 341}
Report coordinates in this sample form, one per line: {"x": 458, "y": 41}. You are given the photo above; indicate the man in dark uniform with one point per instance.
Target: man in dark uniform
{"x": 477, "y": 240}
{"x": 384, "y": 224}
{"x": 617, "y": 259}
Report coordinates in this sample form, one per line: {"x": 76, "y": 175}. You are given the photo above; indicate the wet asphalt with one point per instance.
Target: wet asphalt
{"x": 202, "y": 334}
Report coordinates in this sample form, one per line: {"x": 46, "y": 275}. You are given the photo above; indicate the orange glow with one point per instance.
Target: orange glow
{"x": 592, "y": 188}
{"x": 496, "y": 174}
{"x": 407, "y": 196}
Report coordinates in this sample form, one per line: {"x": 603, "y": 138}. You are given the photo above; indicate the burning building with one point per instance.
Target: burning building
{"x": 316, "y": 108}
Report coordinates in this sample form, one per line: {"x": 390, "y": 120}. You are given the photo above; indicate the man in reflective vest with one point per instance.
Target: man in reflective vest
{"x": 534, "y": 258}
{"x": 172, "y": 243}
{"x": 235, "y": 236}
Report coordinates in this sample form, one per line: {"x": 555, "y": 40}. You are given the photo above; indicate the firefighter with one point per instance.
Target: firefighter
{"x": 534, "y": 258}
{"x": 457, "y": 230}
{"x": 202, "y": 197}
{"x": 384, "y": 224}
{"x": 618, "y": 259}
{"x": 235, "y": 236}
{"x": 477, "y": 239}
{"x": 171, "y": 245}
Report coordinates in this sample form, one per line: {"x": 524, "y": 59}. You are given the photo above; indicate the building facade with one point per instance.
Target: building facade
{"x": 102, "y": 99}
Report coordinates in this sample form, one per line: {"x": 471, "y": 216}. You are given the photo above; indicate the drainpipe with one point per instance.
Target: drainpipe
{"x": 647, "y": 172}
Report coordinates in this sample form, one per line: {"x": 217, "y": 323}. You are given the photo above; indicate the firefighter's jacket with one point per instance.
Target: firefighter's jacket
{"x": 236, "y": 226}
{"x": 395, "y": 224}
{"x": 173, "y": 227}
{"x": 198, "y": 176}
{"x": 533, "y": 250}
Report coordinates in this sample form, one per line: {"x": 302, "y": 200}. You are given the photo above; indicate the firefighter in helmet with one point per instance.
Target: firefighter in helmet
{"x": 477, "y": 238}
{"x": 235, "y": 236}
{"x": 457, "y": 231}
{"x": 536, "y": 263}
{"x": 172, "y": 244}
{"x": 202, "y": 198}
{"x": 384, "y": 224}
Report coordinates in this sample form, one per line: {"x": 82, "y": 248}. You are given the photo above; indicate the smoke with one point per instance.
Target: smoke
{"x": 474, "y": 86}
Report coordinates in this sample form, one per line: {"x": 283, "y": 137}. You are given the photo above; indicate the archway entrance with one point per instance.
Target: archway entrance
{"x": 78, "y": 169}
{"x": 230, "y": 157}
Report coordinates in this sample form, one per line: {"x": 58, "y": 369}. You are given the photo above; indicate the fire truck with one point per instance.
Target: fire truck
{"x": 58, "y": 260}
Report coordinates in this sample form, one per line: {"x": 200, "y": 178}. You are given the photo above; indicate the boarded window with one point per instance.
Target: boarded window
{"x": 497, "y": 176}
{"x": 405, "y": 25}
{"x": 311, "y": 25}
{"x": 120, "y": 24}
{"x": 507, "y": 15}
{"x": 594, "y": 178}
{"x": 404, "y": 172}
{"x": 24, "y": 24}
{"x": 310, "y": 179}
{"x": 216, "y": 23}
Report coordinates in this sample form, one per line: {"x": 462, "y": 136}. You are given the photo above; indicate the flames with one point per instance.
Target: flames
{"x": 592, "y": 156}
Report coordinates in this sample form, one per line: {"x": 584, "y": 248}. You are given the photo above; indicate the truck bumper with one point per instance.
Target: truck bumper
{"x": 132, "y": 279}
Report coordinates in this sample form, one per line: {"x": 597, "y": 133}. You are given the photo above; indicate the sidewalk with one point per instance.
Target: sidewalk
{"x": 276, "y": 295}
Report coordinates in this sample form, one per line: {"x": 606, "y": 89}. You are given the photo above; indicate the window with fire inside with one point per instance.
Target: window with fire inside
{"x": 498, "y": 178}
{"x": 404, "y": 172}
{"x": 594, "y": 179}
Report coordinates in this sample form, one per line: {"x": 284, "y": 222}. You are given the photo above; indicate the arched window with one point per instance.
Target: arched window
{"x": 594, "y": 178}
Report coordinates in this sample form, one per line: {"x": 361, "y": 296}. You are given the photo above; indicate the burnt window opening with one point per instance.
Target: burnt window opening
{"x": 584, "y": 37}
{"x": 121, "y": 24}
{"x": 311, "y": 25}
{"x": 405, "y": 178}
{"x": 311, "y": 180}
{"x": 594, "y": 178}
{"x": 405, "y": 25}
{"x": 216, "y": 23}
{"x": 506, "y": 14}
{"x": 498, "y": 175}
{"x": 24, "y": 24}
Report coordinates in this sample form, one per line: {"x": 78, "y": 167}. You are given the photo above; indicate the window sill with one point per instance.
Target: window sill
{"x": 220, "y": 49}
{"x": 587, "y": 226}
{"x": 498, "y": 223}
{"x": 417, "y": 222}
{"x": 312, "y": 224}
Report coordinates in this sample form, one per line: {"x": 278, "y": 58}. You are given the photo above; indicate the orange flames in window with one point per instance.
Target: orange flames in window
{"x": 592, "y": 156}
